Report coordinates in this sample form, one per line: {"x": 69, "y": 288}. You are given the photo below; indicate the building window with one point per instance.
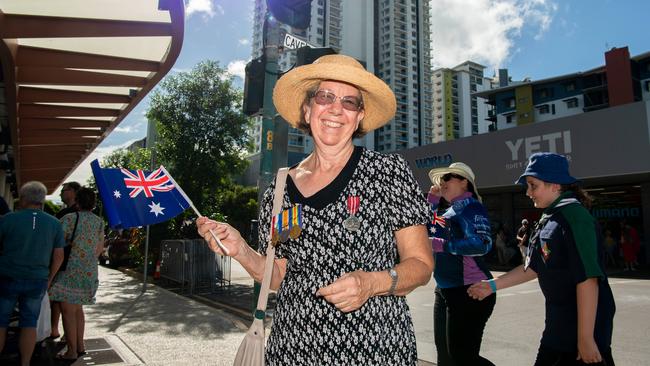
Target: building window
{"x": 570, "y": 86}
{"x": 509, "y": 118}
{"x": 546, "y": 93}
{"x": 544, "y": 109}
{"x": 572, "y": 103}
{"x": 647, "y": 84}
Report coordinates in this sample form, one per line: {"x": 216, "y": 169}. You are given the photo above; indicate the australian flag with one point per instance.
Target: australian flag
{"x": 135, "y": 198}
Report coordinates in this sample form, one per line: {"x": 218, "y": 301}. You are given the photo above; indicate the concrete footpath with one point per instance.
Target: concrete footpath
{"x": 161, "y": 327}
{"x": 158, "y": 327}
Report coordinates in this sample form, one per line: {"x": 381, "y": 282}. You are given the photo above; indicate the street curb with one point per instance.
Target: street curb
{"x": 226, "y": 307}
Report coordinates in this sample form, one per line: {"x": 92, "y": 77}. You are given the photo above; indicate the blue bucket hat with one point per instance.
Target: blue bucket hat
{"x": 549, "y": 167}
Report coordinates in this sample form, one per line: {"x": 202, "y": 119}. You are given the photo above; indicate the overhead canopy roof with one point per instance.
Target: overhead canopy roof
{"x": 72, "y": 70}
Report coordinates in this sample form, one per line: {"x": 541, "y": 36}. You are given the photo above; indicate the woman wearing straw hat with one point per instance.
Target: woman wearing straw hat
{"x": 461, "y": 235}
{"x": 566, "y": 255}
{"x": 362, "y": 242}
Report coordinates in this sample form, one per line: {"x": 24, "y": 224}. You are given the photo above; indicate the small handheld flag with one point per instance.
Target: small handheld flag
{"x": 139, "y": 198}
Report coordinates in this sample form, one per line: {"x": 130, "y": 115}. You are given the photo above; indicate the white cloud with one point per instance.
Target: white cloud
{"x": 484, "y": 31}
{"x": 237, "y": 68}
{"x": 201, "y": 6}
{"x": 127, "y": 129}
{"x": 244, "y": 42}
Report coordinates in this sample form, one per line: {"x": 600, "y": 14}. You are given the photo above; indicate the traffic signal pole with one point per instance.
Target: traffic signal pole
{"x": 273, "y": 149}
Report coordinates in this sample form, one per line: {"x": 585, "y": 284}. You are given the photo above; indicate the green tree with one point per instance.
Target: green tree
{"x": 202, "y": 131}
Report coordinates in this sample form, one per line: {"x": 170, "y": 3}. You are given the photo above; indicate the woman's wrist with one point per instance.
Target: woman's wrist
{"x": 493, "y": 284}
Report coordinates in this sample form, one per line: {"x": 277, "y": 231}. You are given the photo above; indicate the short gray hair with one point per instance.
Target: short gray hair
{"x": 33, "y": 193}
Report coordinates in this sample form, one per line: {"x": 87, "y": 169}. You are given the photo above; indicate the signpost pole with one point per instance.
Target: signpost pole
{"x": 268, "y": 116}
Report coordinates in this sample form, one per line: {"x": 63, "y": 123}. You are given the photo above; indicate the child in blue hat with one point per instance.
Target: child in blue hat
{"x": 566, "y": 254}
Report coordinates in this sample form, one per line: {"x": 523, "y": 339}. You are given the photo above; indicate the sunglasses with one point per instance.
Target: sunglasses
{"x": 348, "y": 102}
{"x": 447, "y": 177}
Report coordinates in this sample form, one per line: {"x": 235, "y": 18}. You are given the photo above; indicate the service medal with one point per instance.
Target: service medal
{"x": 296, "y": 221}
{"x": 352, "y": 223}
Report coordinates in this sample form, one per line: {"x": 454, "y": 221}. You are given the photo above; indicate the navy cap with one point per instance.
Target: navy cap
{"x": 549, "y": 167}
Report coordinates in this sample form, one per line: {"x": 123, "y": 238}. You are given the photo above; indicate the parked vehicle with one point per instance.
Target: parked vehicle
{"x": 116, "y": 249}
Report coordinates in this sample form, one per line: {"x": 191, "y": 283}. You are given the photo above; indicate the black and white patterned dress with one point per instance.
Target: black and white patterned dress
{"x": 307, "y": 330}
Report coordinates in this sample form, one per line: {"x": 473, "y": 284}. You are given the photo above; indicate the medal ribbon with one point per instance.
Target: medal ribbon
{"x": 296, "y": 219}
{"x": 353, "y": 204}
{"x": 273, "y": 225}
{"x": 285, "y": 220}
{"x": 278, "y": 223}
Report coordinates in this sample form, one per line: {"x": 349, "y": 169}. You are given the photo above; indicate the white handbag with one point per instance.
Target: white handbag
{"x": 43, "y": 325}
{"x": 251, "y": 349}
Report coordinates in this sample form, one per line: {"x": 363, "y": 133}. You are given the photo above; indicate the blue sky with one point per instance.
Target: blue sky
{"x": 531, "y": 38}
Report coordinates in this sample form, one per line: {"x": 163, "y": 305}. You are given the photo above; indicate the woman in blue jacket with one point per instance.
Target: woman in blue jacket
{"x": 460, "y": 236}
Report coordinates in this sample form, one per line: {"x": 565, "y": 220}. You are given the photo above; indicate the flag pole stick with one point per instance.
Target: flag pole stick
{"x": 196, "y": 211}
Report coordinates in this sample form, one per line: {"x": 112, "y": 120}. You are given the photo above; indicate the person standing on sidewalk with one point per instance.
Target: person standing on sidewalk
{"x": 31, "y": 252}
{"x": 77, "y": 285}
{"x": 523, "y": 234}
{"x": 360, "y": 218}
{"x": 566, "y": 255}
{"x": 69, "y": 197}
{"x": 460, "y": 235}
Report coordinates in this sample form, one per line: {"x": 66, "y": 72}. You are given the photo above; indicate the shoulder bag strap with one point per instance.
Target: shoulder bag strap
{"x": 74, "y": 231}
{"x": 278, "y": 196}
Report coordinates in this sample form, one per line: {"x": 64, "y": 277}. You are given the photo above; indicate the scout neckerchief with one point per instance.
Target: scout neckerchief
{"x": 532, "y": 241}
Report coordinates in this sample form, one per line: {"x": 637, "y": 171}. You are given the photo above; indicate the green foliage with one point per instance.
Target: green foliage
{"x": 202, "y": 141}
{"x": 202, "y": 131}
{"x": 51, "y": 208}
{"x": 239, "y": 206}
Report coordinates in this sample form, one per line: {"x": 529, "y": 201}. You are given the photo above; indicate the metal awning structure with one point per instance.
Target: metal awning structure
{"x": 71, "y": 71}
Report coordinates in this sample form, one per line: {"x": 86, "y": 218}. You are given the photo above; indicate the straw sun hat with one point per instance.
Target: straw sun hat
{"x": 459, "y": 168}
{"x": 291, "y": 89}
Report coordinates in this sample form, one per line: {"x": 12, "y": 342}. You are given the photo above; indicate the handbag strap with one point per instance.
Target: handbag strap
{"x": 74, "y": 231}
{"x": 278, "y": 197}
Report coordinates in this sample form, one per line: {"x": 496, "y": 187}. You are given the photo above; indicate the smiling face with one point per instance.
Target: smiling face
{"x": 332, "y": 124}
{"x": 542, "y": 193}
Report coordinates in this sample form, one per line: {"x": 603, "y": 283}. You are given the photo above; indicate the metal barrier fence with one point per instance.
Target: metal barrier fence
{"x": 192, "y": 265}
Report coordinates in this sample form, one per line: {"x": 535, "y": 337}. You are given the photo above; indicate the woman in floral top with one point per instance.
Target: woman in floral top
{"x": 77, "y": 285}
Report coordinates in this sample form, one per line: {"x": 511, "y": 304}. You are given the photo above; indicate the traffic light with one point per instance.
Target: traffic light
{"x": 295, "y": 13}
{"x": 254, "y": 86}
{"x": 306, "y": 55}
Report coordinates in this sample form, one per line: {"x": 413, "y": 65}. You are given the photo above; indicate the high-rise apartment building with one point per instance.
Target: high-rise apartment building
{"x": 402, "y": 49}
{"x": 456, "y": 111}
{"x": 392, "y": 39}
{"x": 324, "y": 31}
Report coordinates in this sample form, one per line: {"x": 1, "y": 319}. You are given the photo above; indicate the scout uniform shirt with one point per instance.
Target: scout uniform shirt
{"x": 566, "y": 249}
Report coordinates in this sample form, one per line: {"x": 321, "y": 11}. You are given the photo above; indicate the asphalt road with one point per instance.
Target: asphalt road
{"x": 512, "y": 334}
